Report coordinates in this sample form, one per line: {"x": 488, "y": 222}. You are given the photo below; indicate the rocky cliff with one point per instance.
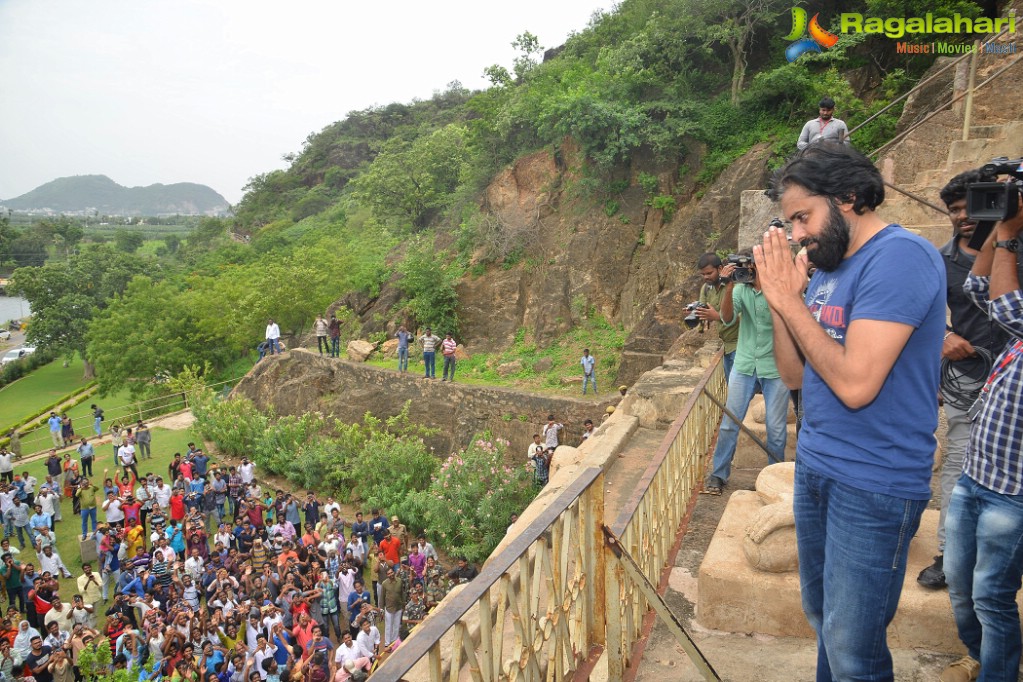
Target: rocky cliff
{"x": 300, "y": 381}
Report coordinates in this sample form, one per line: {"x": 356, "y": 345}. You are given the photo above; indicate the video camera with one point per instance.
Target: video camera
{"x": 691, "y": 320}
{"x": 990, "y": 202}
{"x": 743, "y": 273}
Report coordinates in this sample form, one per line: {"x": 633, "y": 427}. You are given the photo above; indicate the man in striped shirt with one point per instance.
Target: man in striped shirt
{"x": 984, "y": 524}
{"x": 447, "y": 348}
{"x": 430, "y": 341}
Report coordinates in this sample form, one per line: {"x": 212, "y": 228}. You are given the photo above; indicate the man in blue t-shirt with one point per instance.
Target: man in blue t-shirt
{"x": 862, "y": 344}
{"x": 403, "y": 335}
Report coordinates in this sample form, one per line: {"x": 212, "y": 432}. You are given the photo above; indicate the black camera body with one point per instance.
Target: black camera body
{"x": 691, "y": 320}
{"x": 743, "y": 273}
{"x": 990, "y": 202}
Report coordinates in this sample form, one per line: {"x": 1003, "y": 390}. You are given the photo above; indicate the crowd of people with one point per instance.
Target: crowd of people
{"x": 200, "y": 574}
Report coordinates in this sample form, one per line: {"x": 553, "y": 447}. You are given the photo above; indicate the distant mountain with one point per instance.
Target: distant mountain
{"x": 87, "y": 194}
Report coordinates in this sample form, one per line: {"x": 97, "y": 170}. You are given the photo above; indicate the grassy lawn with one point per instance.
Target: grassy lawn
{"x": 118, "y": 407}
{"x": 29, "y": 395}
{"x": 165, "y": 444}
{"x": 540, "y": 369}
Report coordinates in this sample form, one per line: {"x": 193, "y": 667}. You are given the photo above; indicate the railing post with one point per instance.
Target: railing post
{"x": 594, "y": 559}
{"x": 613, "y": 650}
{"x": 968, "y": 113}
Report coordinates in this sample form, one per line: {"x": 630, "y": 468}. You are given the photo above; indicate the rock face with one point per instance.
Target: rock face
{"x": 359, "y": 350}
{"x": 301, "y": 382}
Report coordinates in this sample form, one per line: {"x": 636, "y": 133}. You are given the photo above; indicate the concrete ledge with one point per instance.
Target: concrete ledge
{"x": 735, "y": 597}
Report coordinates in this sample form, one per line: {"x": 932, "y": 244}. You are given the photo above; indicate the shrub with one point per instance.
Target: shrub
{"x": 471, "y": 499}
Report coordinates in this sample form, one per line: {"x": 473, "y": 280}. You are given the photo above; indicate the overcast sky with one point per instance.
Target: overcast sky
{"x": 216, "y": 91}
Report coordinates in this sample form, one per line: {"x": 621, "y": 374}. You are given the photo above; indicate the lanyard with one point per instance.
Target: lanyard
{"x": 823, "y": 125}
{"x": 1010, "y": 355}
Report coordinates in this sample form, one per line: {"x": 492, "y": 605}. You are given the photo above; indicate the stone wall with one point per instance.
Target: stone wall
{"x": 300, "y": 381}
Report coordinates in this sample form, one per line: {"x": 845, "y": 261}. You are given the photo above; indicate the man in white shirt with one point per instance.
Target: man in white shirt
{"x": 348, "y": 657}
{"x": 247, "y": 470}
{"x": 273, "y": 337}
{"x": 6, "y": 466}
{"x": 126, "y": 453}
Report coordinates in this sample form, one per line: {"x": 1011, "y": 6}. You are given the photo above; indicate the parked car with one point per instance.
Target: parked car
{"x": 5, "y": 335}
{"x": 16, "y": 354}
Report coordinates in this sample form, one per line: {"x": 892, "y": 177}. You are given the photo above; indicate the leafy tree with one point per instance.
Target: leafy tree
{"x": 128, "y": 241}
{"x": 428, "y": 283}
{"x": 7, "y": 236}
{"x": 172, "y": 242}
{"x": 65, "y": 296}
{"x": 67, "y": 231}
{"x": 28, "y": 249}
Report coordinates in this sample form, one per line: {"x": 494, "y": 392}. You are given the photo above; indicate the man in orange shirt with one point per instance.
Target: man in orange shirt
{"x": 391, "y": 547}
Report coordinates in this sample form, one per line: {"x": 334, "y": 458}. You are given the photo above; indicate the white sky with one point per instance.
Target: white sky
{"x": 216, "y": 91}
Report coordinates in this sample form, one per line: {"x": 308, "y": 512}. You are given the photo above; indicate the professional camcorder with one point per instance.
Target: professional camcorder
{"x": 743, "y": 273}
{"x": 989, "y": 202}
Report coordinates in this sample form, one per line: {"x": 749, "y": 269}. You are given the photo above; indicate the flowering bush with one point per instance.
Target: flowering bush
{"x": 469, "y": 503}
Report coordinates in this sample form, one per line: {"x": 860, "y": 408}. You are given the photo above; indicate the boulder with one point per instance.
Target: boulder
{"x": 389, "y": 348}
{"x": 508, "y": 368}
{"x": 574, "y": 379}
{"x": 543, "y": 365}
{"x": 359, "y": 350}
{"x": 461, "y": 353}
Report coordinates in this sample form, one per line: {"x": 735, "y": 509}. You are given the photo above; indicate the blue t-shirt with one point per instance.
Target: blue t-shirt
{"x": 403, "y": 339}
{"x": 887, "y": 446}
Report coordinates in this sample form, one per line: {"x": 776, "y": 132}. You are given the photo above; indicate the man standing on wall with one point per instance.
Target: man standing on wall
{"x": 715, "y": 281}
{"x": 403, "y": 337}
{"x": 862, "y": 343}
{"x": 273, "y": 337}
{"x": 321, "y": 328}
{"x": 823, "y": 128}
{"x": 588, "y": 361}
{"x": 447, "y": 349}
{"x": 430, "y": 341}
{"x": 334, "y": 328}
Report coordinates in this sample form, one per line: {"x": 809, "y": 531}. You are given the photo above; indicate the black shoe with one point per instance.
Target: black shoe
{"x": 933, "y": 577}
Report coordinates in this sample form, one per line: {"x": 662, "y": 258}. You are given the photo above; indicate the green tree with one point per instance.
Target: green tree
{"x": 128, "y": 241}
{"x": 67, "y": 232}
{"x": 65, "y": 295}
{"x": 172, "y": 242}
{"x": 7, "y": 236}
{"x": 428, "y": 283}
{"x": 28, "y": 249}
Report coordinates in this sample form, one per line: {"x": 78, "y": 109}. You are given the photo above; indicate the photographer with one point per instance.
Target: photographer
{"x": 754, "y": 364}
{"x": 984, "y": 525}
{"x": 715, "y": 282}
{"x": 971, "y": 341}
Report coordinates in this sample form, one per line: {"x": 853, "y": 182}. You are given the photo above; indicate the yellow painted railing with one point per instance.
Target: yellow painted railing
{"x": 555, "y": 597}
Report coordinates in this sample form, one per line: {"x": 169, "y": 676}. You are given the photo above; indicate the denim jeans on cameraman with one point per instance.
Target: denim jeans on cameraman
{"x": 852, "y": 546}
{"x": 740, "y": 392}
{"x": 983, "y": 564}
{"x": 402, "y": 359}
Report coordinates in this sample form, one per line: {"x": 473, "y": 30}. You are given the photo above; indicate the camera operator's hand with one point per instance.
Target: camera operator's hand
{"x": 1007, "y": 229}
{"x": 727, "y": 270}
{"x": 707, "y": 313}
{"x": 956, "y": 348}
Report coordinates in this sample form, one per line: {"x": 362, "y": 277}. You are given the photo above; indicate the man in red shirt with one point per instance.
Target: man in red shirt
{"x": 391, "y": 547}
{"x": 447, "y": 348}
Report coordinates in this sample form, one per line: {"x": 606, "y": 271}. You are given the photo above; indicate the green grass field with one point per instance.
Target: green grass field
{"x": 165, "y": 444}
{"x": 28, "y": 396}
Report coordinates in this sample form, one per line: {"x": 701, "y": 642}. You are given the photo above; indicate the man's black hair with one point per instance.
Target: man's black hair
{"x": 826, "y": 103}
{"x": 956, "y": 187}
{"x": 711, "y": 259}
{"x": 835, "y": 171}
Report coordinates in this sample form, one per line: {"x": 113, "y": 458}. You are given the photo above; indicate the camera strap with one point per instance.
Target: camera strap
{"x": 1013, "y": 353}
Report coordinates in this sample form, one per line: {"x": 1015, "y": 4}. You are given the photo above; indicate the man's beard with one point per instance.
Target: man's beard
{"x": 831, "y": 244}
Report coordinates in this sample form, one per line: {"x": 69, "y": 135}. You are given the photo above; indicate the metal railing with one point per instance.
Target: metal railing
{"x": 650, "y": 521}
{"x": 556, "y": 596}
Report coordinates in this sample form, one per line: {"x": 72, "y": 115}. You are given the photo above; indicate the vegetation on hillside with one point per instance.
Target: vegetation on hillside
{"x": 389, "y": 196}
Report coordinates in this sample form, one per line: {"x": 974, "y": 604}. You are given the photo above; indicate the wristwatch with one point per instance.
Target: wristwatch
{"x": 1011, "y": 245}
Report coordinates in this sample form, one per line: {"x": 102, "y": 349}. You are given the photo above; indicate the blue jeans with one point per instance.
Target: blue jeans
{"x": 449, "y": 364}
{"x": 740, "y": 393}
{"x": 728, "y": 359}
{"x": 335, "y": 347}
{"x": 275, "y": 346}
{"x": 86, "y": 515}
{"x": 22, "y": 531}
{"x": 403, "y": 359}
{"x": 853, "y": 546}
{"x": 983, "y": 565}
{"x": 97, "y": 426}
{"x": 321, "y": 345}
{"x": 430, "y": 360}
{"x": 587, "y": 378}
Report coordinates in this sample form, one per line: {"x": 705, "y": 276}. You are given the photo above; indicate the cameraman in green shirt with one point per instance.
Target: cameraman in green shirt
{"x": 714, "y": 286}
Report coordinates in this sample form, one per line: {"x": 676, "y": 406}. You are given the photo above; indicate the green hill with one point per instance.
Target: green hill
{"x": 90, "y": 193}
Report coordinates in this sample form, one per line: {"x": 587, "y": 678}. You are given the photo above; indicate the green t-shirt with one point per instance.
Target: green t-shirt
{"x": 729, "y": 334}
{"x": 755, "y": 353}
{"x": 11, "y": 576}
